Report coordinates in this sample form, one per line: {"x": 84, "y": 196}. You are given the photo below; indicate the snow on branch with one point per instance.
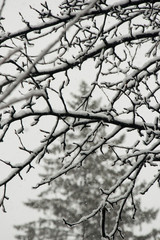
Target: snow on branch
{"x": 72, "y": 85}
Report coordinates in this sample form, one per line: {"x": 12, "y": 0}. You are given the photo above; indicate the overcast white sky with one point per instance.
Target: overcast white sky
{"x": 19, "y": 191}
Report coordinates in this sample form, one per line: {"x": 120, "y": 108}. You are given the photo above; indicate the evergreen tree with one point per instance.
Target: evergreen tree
{"x": 77, "y": 194}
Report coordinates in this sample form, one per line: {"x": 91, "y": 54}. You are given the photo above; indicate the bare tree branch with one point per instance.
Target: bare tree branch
{"x": 114, "y": 49}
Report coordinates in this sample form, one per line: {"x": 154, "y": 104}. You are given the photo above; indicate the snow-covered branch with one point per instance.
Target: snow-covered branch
{"x": 110, "y": 50}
